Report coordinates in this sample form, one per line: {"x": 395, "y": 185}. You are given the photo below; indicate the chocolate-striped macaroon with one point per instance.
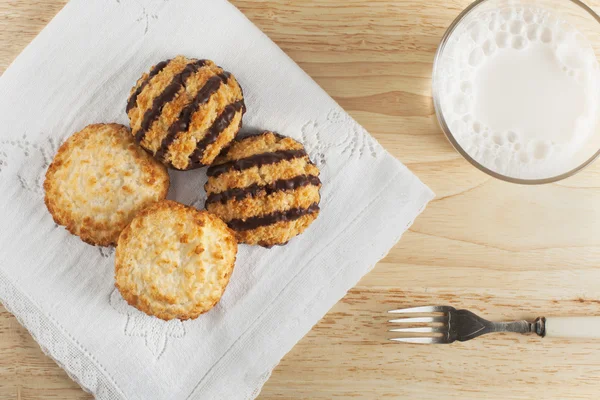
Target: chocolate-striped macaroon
{"x": 185, "y": 111}
{"x": 265, "y": 188}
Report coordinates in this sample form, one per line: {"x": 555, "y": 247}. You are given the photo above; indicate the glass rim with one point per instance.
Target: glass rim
{"x": 448, "y": 133}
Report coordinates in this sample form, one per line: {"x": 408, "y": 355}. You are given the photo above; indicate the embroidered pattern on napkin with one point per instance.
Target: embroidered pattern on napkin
{"x": 31, "y": 177}
{"x": 352, "y": 140}
{"x": 155, "y": 332}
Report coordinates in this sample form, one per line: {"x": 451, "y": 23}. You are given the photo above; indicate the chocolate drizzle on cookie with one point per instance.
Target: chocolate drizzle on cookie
{"x": 281, "y": 199}
{"x": 131, "y": 103}
{"x": 188, "y": 111}
{"x": 218, "y": 126}
{"x": 256, "y": 160}
{"x": 269, "y": 219}
{"x": 166, "y": 96}
{"x": 254, "y": 189}
{"x": 184, "y": 120}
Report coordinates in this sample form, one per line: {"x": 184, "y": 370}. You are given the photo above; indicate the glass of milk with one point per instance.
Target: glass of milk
{"x": 516, "y": 88}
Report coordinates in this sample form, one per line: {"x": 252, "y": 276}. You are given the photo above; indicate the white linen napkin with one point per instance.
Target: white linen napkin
{"x": 79, "y": 71}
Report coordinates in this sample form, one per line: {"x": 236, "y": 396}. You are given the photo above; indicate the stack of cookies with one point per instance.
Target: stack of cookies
{"x": 107, "y": 184}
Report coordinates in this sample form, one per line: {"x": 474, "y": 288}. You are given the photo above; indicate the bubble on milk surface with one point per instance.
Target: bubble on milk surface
{"x": 528, "y": 16}
{"x": 489, "y": 47}
{"x": 541, "y": 150}
{"x": 546, "y": 35}
{"x": 533, "y": 32}
{"x": 502, "y": 39}
{"x": 518, "y": 42}
{"x": 498, "y": 138}
{"x": 516, "y": 27}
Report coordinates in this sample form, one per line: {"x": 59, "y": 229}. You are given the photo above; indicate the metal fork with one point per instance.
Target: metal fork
{"x": 463, "y": 325}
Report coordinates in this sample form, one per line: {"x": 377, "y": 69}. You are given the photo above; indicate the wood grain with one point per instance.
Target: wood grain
{"x": 503, "y": 250}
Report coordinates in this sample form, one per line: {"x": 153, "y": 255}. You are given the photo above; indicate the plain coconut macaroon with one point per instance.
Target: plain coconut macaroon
{"x": 99, "y": 180}
{"x": 174, "y": 261}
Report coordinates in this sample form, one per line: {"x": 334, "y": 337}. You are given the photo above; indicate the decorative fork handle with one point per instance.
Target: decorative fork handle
{"x": 538, "y": 327}
{"x": 573, "y": 327}
{"x": 563, "y": 327}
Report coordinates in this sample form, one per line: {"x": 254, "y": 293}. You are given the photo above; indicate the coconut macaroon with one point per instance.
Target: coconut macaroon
{"x": 174, "y": 261}
{"x": 185, "y": 111}
{"x": 265, "y": 188}
{"x": 99, "y": 179}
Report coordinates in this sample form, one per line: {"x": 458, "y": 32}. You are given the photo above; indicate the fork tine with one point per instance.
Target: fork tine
{"x": 421, "y": 340}
{"x": 416, "y": 320}
{"x": 424, "y": 309}
{"x": 425, "y": 329}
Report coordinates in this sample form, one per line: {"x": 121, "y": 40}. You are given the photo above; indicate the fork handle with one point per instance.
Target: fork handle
{"x": 573, "y": 327}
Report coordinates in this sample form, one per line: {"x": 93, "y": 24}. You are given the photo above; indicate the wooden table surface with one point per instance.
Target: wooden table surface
{"x": 503, "y": 250}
